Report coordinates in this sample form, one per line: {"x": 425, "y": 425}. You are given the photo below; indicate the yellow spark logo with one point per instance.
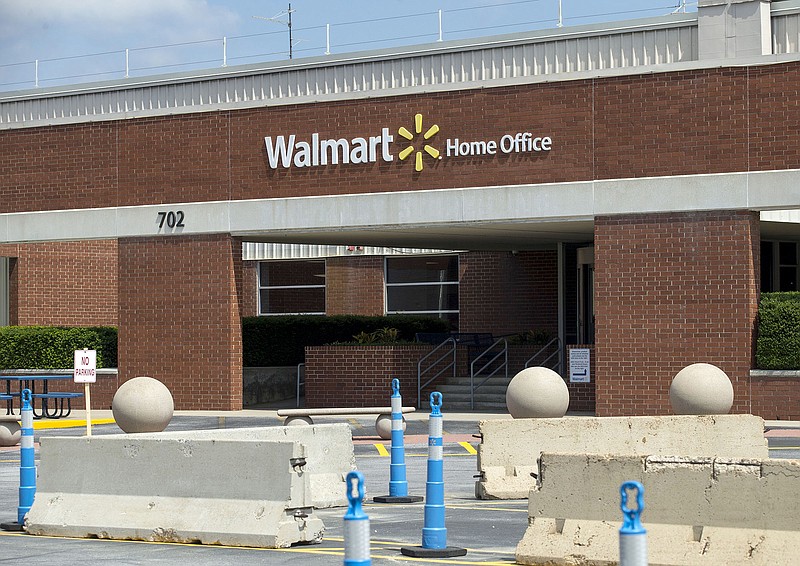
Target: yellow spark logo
{"x": 430, "y": 150}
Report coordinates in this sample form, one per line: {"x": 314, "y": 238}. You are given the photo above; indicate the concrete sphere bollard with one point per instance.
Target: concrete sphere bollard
{"x": 10, "y": 433}
{"x": 383, "y": 426}
{"x": 299, "y": 420}
{"x": 537, "y": 392}
{"x": 701, "y": 389}
{"x": 142, "y": 404}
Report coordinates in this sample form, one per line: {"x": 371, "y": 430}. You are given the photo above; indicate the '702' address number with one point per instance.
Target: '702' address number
{"x": 173, "y": 219}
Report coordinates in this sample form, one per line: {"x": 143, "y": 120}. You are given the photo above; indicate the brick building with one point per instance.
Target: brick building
{"x": 630, "y": 187}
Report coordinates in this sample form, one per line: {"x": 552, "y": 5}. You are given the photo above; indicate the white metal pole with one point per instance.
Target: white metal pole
{"x": 224, "y": 51}
{"x": 36, "y": 73}
{"x": 327, "y": 39}
{"x": 88, "y": 398}
{"x": 560, "y": 18}
{"x": 440, "y": 25}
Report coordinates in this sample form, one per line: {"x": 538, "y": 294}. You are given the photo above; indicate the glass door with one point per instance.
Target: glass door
{"x": 586, "y": 295}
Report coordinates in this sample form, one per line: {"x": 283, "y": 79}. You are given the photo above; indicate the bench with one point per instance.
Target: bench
{"x": 58, "y": 411}
{"x": 382, "y": 424}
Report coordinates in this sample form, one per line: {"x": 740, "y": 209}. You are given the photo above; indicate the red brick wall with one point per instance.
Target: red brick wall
{"x": 63, "y": 283}
{"x": 776, "y": 398}
{"x": 179, "y": 318}
{"x": 505, "y": 293}
{"x": 354, "y": 285}
{"x": 248, "y": 290}
{"x": 731, "y": 119}
{"x": 360, "y": 376}
{"x": 671, "y": 290}
{"x": 59, "y": 167}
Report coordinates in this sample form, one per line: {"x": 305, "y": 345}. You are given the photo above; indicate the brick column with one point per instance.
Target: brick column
{"x": 179, "y": 317}
{"x": 670, "y": 290}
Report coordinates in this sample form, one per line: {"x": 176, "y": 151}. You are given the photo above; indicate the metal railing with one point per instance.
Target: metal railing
{"x": 491, "y": 356}
{"x": 557, "y": 366}
{"x": 218, "y": 51}
{"x": 448, "y": 353}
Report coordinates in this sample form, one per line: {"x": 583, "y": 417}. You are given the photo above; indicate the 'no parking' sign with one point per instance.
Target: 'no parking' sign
{"x": 85, "y": 366}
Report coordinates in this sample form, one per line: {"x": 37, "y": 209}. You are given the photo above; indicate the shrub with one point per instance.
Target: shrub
{"x": 532, "y": 337}
{"x": 51, "y": 347}
{"x": 778, "y": 345}
{"x": 281, "y": 340}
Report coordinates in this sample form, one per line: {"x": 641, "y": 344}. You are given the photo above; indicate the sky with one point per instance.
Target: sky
{"x": 81, "y": 41}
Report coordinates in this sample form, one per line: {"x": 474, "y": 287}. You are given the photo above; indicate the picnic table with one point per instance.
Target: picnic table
{"x": 51, "y": 404}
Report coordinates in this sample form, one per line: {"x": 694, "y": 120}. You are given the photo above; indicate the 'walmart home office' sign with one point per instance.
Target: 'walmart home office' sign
{"x": 289, "y": 151}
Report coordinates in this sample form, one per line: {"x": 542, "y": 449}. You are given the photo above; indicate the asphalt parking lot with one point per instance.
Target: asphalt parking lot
{"x": 489, "y": 530}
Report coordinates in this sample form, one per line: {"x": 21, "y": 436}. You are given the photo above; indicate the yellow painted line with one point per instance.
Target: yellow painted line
{"x": 381, "y": 455}
{"x": 784, "y": 447}
{"x": 68, "y": 423}
{"x": 468, "y": 447}
{"x": 381, "y": 450}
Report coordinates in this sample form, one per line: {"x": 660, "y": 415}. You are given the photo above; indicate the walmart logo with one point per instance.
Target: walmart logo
{"x": 427, "y": 148}
{"x": 290, "y": 151}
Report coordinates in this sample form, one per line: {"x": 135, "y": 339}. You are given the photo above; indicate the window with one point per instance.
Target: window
{"x": 779, "y": 266}
{"x": 425, "y": 285}
{"x": 291, "y": 287}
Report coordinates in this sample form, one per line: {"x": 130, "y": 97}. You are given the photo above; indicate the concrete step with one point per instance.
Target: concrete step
{"x": 447, "y": 389}
{"x": 449, "y": 398}
{"x": 456, "y": 394}
{"x": 479, "y": 406}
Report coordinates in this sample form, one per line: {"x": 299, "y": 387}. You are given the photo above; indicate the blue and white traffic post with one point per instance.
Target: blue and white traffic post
{"x": 27, "y": 465}
{"x": 434, "y": 532}
{"x": 632, "y": 535}
{"x": 398, "y": 485}
{"x": 356, "y": 524}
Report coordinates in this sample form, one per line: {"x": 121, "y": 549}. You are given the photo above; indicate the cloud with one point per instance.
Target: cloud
{"x": 26, "y": 24}
{"x": 60, "y": 33}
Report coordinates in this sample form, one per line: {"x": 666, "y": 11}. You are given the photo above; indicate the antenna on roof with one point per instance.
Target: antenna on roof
{"x": 681, "y": 7}
{"x": 277, "y": 19}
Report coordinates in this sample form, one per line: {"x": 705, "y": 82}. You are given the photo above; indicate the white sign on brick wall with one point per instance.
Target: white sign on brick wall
{"x": 579, "y": 365}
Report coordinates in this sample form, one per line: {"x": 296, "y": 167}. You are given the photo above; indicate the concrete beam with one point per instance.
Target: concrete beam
{"x": 697, "y": 510}
{"x": 508, "y": 452}
{"x": 329, "y": 453}
{"x": 230, "y": 492}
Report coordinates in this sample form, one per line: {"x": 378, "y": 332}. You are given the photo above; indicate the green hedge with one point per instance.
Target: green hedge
{"x": 778, "y": 345}
{"x": 50, "y": 347}
{"x": 281, "y": 340}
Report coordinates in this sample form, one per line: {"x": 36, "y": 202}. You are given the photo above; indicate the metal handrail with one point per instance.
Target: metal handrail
{"x": 473, "y": 373}
{"x": 556, "y": 354}
{"x": 420, "y": 371}
{"x": 300, "y": 381}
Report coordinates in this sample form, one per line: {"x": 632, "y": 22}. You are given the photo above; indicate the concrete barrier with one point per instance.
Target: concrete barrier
{"x": 329, "y": 453}
{"x": 508, "y": 452}
{"x": 228, "y": 492}
{"x": 698, "y": 511}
